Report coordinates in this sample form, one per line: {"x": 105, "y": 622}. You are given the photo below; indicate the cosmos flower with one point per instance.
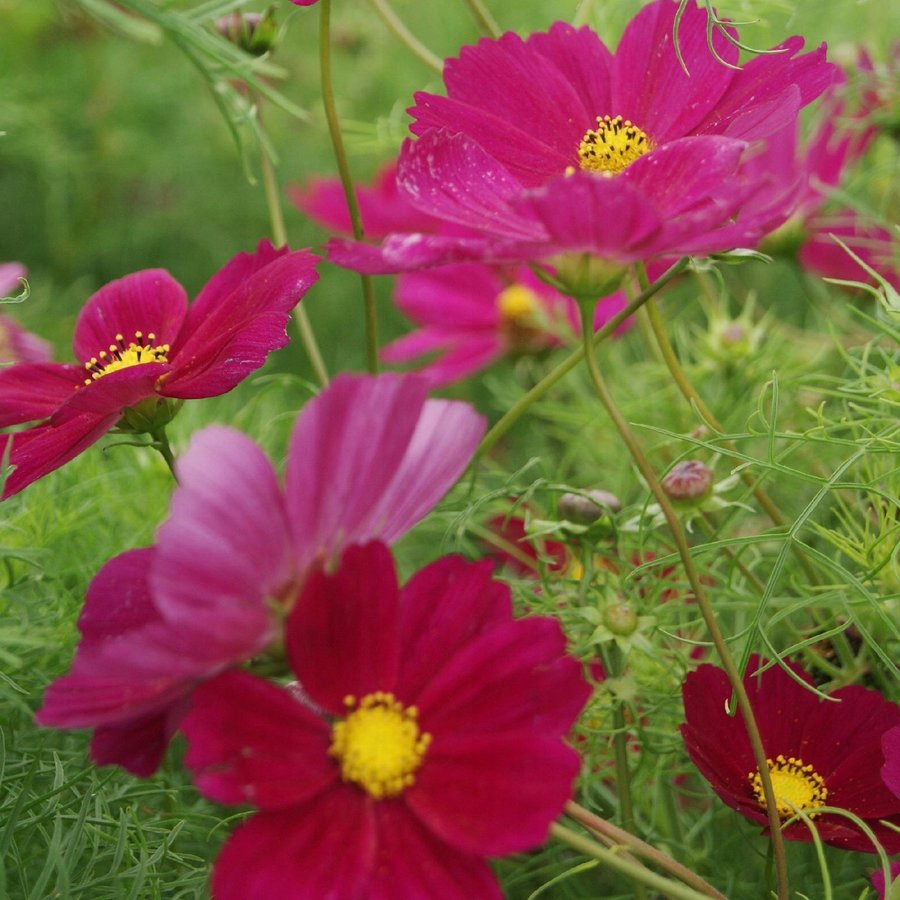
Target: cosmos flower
{"x": 142, "y": 350}
{"x": 555, "y": 145}
{"x": 369, "y": 457}
{"x": 520, "y": 553}
{"x": 17, "y": 344}
{"x": 820, "y": 753}
{"x": 425, "y": 733}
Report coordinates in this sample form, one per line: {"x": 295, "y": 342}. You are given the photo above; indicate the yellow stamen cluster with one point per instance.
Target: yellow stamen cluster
{"x": 379, "y": 745}
{"x": 613, "y": 146}
{"x": 796, "y": 786}
{"x": 121, "y": 355}
{"x": 517, "y": 303}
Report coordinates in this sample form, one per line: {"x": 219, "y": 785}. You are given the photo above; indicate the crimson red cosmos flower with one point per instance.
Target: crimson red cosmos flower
{"x": 820, "y": 753}
{"x": 369, "y": 457}
{"x": 555, "y": 145}
{"x": 525, "y": 551}
{"x": 425, "y": 733}
{"x": 142, "y": 350}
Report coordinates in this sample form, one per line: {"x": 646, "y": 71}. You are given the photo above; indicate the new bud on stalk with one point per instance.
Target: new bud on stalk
{"x": 620, "y": 618}
{"x": 689, "y": 481}
{"x": 586, "y": 508}
{"x": 255, "y": 33}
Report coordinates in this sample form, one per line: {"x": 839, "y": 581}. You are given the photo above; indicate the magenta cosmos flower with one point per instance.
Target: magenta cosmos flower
{"x": 425, "y": 733}
{"x": 369, "y": 457}
{"x": 555, "y": 145}
{"x": 820, "y": 753}
{"x": 141, "y": 349}
{"x": 17, "y": 344}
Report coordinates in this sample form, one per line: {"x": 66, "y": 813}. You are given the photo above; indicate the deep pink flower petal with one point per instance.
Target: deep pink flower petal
{"x": 368, "y": 458}
{"x": 118, "y": 599}
{"x": 224, "y": 552}
{"x": 38, "y": 451}
{"x": 10, "y": 273}
{"x": 149, "y": 302}
{"x": 413, "y": 863}
{"x": 33, "y": 391}
{"x": 383, "y": 208}
{"x": 113, "y": 392}
{"x": 824, "y": 256}
{"x": 878, "y": 879}
{"x": 588, "y": 214}
{"x": 137, "y": 746}
{"x": 514, "y": 676}
{"x": 454, "y": 297}
{"x": 649, "y": 85}
{"x": 493, "y": 794}
{"x": 238, "y": 318}
{"x": 322, "y": 849}
{"x": 442, "y": 608}
{"x": 343, "y": 636}
{"x": 453, "y": 178}
{"x": 759, "y": 102}
{"x": 18, "y": 345}
{"x": 464, "y": 354}
{"x": 250, "y": 741}
{"x": 890, "y": 771}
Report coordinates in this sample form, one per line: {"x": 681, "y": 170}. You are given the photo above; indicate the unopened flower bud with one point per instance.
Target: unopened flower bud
{"x": 586, "y": 508}
{"x": 689, "y": 480}
{"x": 620, "y": 619}
{"x": 254, "y": 33}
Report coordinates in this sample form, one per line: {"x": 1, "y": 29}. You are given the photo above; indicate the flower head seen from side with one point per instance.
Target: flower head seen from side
{"x": 142, "y": 350}
{"x": 16, "y": 344}
{"x": 425, "y": 734}
{"x": 555, "y": 145}
{"x": 820, "y": 752}
{"x": 369, "y": 457}
{"x": 475, "y": 314}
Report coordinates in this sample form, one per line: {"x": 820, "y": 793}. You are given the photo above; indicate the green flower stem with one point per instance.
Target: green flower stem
{"x": 570, "y": 362}
{"x": 340, "y": 155}
{"x": 625, "y": 866}
{"x": 485, "y": 20}
{"x": 279, "y": 235}
{"x": 161, "y": 444}
{"x": 405, "y": 36}
{"x": 636, "y": 846}
{"x": 700, "y": 595}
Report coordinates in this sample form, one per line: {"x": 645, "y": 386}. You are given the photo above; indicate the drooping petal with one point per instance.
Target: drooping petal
{"x": 454, "y": 297}
{"x": 33, "y": 391}
{"x": 250, "y": 741}
{"x": 464, "y": 354}
{"x": 412, "y": 862}
{"x": 368, "y": 458}
{"x": 148, "y": 302}
{"x": 237, "y": 320}
{"x": 493, "y": 794}
{"x": 342, "y": 636}
{"x": 137, "y": 746}
{"x": 38, "y": 451}
{"x": 322, "y": 849}
{"x": 224, "y": 551}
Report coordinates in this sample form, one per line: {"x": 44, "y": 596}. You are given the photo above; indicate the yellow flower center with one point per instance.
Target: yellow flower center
{"x": 379, "y": 745}
{"x": 517, "y": 304}
{"x": 796, "y": 786}
{"x": 121, "y": 355}
{"x": 612, "y": 146}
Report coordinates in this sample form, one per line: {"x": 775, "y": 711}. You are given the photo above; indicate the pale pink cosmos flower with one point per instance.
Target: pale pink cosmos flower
{"x": 17, "y": 344}
{"x": 554, "y": 144}
{"x": 369, "y": 457}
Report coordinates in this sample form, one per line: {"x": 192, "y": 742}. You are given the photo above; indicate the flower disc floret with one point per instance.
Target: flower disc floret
{"x": 379, "y": 744}
{"x": 797, "y": 786}
{"x": 121, "y": 356}
{"x": 612, "y": 146}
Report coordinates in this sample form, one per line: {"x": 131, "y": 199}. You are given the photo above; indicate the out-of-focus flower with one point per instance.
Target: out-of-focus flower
{"x": 554, "y": 145}
{"x": 513, "y": 548}
{"x": 878, "y": 881}
{"x": 429, "y": 735}
{"x": 16, "y": 344}
{"x": 820, "y": 753}
{"x": 369, "y": 457}
{"x": 142, "y": 350}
